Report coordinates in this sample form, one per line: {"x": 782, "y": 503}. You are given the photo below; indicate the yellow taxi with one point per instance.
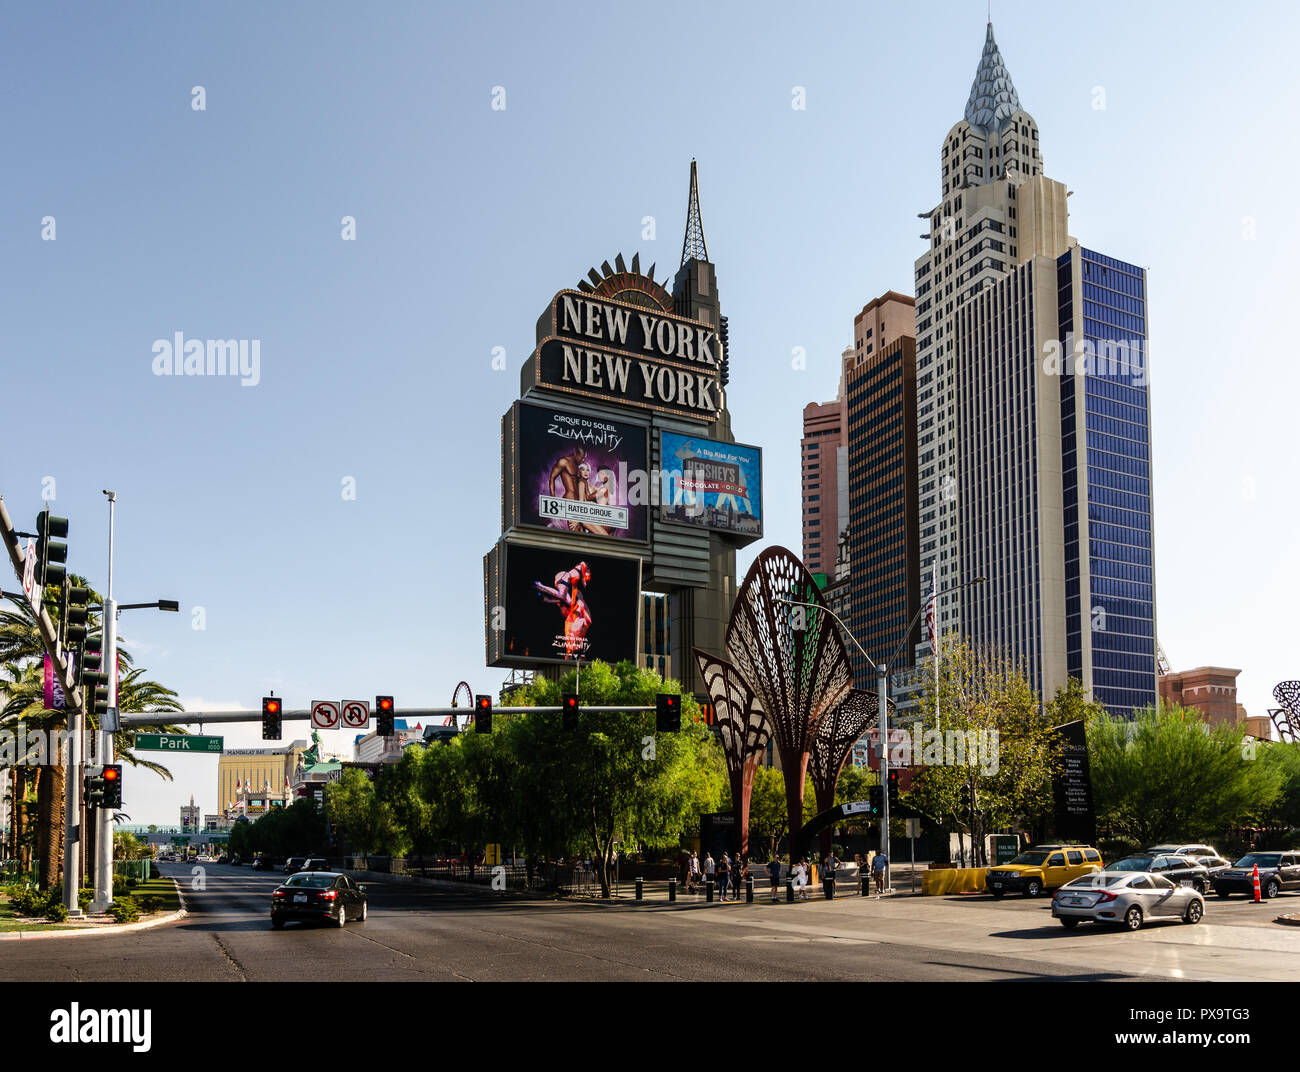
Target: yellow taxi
{"x": 1043, "y": 867}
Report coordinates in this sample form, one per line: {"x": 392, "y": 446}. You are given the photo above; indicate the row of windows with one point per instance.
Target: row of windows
{"x": 1104, "y": 296}
{"x": 1119, "y": 552}
{"x": 1113, "y": 481}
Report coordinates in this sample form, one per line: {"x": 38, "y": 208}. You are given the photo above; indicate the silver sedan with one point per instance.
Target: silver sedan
{"x": 1125, "y": 899}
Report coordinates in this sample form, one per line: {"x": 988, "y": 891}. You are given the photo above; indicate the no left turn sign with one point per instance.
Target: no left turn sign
{"x": 325, "y": 714}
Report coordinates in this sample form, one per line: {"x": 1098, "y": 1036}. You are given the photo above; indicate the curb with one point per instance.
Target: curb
{"x": 116, "y": 928}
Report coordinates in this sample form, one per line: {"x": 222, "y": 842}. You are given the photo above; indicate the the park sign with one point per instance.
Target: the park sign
{"x": 179, "y": 742}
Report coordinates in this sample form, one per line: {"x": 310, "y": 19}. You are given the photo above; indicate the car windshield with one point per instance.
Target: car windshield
{"x": 1260, "y": 859}
{"x": 315, "y": 882}
{"x": 1132, "y": 863}
{"x": 1030, "y": 858}
{"x": 1100, "y": 880}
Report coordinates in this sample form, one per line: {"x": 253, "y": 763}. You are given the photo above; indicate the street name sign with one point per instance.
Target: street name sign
{"x": 175, "y": 742}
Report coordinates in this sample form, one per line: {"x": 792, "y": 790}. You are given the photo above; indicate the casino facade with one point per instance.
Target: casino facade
{"x": 620, "y": 473}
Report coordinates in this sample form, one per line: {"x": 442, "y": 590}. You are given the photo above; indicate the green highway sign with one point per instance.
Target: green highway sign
{"x": 175, "y": 742}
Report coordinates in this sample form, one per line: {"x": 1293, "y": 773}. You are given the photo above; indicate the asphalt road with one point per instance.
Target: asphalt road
{"x": 428, "y": 933}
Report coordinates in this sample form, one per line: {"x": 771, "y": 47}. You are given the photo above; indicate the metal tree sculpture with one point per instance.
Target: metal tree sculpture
{"x": 792, "y": 657}
{"x": 1287, "y": 718}
{"x": 744, "y": 727}
{"x": 837, "y": 733}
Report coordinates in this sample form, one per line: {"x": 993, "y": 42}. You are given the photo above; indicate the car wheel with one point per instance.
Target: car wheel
{"x": 277, "y": 924}
{"x": 1069, "y": 924}
{"x": 1194, "y": 911}
{"x": 343, "y": 916}
{"x": 1033, "y": 888}
{"x": 1272, "y": 889}
{"x": 1133, "y": 918}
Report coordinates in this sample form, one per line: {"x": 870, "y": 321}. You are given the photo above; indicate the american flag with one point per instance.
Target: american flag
{"x": 930, "y": 617}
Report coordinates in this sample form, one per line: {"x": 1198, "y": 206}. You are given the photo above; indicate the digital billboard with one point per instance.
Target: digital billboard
{"x": 711, "y": 484}
{"x": 558, "y": 604}
{"x": 572, "y": 472}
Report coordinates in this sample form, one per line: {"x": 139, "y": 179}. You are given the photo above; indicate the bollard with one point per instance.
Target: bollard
{"x": 749, "y": 889}
{"x": 828, "y": 888}
{"x": 789, "y": 893}
{"x": 708, "y": 891}
{"x": 866, "y": 882}
{"x": 672, "y": 891}
{"x": 638, "y": 887}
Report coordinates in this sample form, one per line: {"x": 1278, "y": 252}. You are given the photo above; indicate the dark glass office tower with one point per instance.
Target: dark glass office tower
{"x": 1106, "y": 478}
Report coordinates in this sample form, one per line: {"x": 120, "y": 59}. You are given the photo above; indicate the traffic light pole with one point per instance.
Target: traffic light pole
{"x": 883, "y": 725}
{"x": 104, "y": 819}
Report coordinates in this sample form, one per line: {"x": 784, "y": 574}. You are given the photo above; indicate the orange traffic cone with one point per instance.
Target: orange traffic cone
{"x": 1258, "y": 899}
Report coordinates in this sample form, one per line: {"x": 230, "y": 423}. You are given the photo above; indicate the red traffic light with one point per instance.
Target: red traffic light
{"x": 570, "y": 701}
{"x": 110, "y": 774}
{"x": 485, "y": 703}
{"x": 384, "y": 703}
{"x": 272, "y": 707}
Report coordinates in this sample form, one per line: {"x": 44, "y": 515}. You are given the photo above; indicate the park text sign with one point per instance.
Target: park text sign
{"x": 630, "y": 354}
{"x": 175, "y": 742}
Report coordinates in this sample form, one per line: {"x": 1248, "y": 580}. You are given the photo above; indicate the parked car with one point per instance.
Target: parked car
{"x": 1189, "y": 849}
{"x": 315, "y": 863}
{"x": 1180, "y": 870}
{"x": 1213, "y": 863}
{"x": 320, "y": 895}
{"x": 262, "y": 863}
{"x": 1278, "y": 871}
{"x": 1042, "y": 867}
{"x": 1125, "y": 899}
{"x": 294, "y": 863}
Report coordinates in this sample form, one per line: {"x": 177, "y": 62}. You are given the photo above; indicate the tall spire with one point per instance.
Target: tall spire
{"x": 993, "y": 98}
{"x": 693, "y": 247}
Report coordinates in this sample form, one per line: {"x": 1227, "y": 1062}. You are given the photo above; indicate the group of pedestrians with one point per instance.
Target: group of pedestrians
{"x": 726, "y": 874}
{"x": 729, "y": 874}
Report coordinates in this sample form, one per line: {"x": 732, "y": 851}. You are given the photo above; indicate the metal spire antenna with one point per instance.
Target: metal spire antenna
{"x": 693, "y": 247}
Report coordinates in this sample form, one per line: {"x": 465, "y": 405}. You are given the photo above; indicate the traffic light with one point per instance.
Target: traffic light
{"x": 94, "y": 789}
{"x": 875, "y": 795}
{"x": 569, "y": 708}
{"x": 73, "y": 616}
{"x": 271, "y": 712}
{"x": 668, "y": 713}
{"x": 482, "y": 714}
{"x": 113, "y": 786}
{"x": 49, "y": 531}
{"x": 893, "y": 788}
{"x": 384, "y": 716}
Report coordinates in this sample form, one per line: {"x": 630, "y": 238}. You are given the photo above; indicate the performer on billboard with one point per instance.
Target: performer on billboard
{"x": 568, "y": 469}
{"x": 567, "y": 595}
{"x": 599, "y": 491}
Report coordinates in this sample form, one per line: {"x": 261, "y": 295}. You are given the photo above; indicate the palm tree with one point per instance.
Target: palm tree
{"x": 22, "y": 657}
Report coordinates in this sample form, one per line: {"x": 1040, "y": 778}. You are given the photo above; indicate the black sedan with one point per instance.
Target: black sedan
{"x": 319, "y": 895}
{"x": 1180, "y": 870}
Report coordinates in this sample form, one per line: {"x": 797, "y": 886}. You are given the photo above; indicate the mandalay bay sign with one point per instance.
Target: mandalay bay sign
{"x": 628, "y": 354}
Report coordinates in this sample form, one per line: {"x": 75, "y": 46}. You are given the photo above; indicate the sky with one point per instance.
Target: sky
{"x": 324, "y": 527}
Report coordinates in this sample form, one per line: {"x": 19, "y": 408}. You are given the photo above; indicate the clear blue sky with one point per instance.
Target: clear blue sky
{"x": 376, "y": 354}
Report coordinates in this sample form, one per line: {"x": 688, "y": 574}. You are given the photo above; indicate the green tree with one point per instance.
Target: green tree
{"x": 1170, "y": 775}
{"x": 995, "y": 743}
{"x": 613, "y": 778}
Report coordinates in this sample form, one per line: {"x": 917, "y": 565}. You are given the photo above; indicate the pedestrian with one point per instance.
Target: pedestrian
{"x": 694, "y": 883}
{"x": 801, "y": 878}
{"x": 828, "y": 867}
{"x": 774, "y": 873}
{"x": 710, "y": 866}
{"x": 723, "y": 873}
{"x": 739, "y": 868}
{"x": 878, "y": 866}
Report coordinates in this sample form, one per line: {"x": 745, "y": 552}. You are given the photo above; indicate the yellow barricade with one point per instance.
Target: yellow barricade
{"x": 953, "y": 880}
